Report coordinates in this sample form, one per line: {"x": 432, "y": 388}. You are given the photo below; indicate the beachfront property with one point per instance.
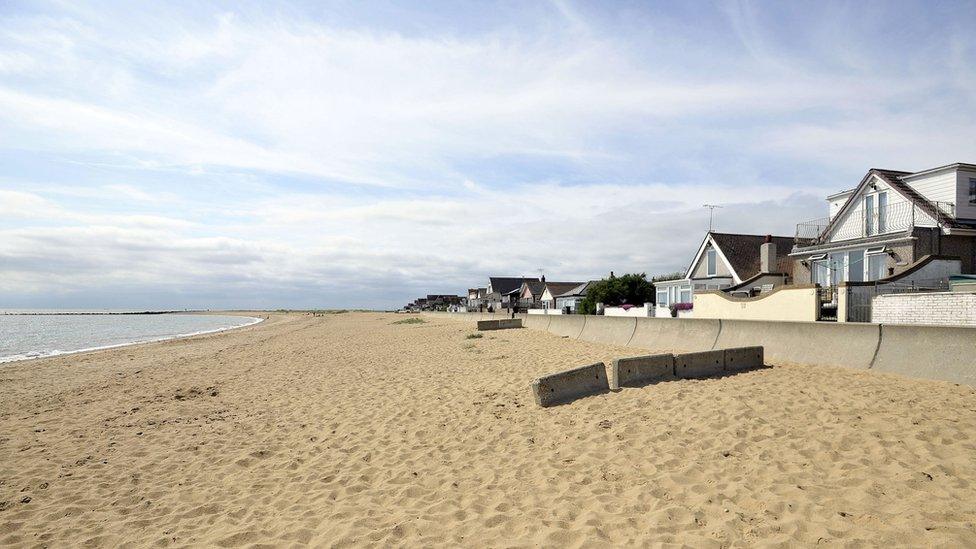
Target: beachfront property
{"x": 554, "y": 289}
{"x": 568, "y": 301}
{"x": 477, "y": 299}
{"x": 502, "y": 292}
{"x": 740, "y": 263}
{"x": 530, "y": 293}
{"x": 886, "y": 224}
{"x": 894, "y": 232}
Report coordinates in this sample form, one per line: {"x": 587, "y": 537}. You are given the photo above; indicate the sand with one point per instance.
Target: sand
{"x": 348, "y": 430}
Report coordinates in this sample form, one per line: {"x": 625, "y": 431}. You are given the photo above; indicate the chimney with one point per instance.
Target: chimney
{"x": 543, "y": 279}
{"x": 767, "y": 255}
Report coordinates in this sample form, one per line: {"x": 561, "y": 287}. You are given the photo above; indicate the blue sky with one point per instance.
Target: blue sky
{"x": 340, "y": 154}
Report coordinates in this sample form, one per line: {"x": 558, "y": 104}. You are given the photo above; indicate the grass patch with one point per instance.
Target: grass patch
{"x": 413, "y": 320}
{"x": 474, "y": 336}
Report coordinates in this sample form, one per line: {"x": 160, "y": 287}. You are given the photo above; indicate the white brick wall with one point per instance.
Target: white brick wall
{"x": 946, "y": 308}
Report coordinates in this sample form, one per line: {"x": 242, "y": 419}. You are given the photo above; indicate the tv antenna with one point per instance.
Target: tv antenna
{"x": 711, "y": 210}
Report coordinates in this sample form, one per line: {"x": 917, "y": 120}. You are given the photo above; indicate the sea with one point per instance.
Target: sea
{"x": 34, "y": 334}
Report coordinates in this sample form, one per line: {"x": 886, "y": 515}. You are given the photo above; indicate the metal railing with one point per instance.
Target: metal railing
{"x": 878, "y": 220}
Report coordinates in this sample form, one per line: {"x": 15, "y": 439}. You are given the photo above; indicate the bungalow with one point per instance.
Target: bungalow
{"x": 531, "y": 293}
{"x": 732, "y": 262}
{"x": 887, "y": 224}
{"x": 552, "y": 289}
{"x": 502, "y": 291}
{"x": 568, "y": 301}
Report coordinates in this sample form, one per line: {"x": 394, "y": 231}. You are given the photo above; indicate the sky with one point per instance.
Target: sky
{"x": 170, "y": 155}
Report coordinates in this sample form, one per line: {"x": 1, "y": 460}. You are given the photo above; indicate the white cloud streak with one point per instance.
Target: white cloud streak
{"x": 322, "y": 164}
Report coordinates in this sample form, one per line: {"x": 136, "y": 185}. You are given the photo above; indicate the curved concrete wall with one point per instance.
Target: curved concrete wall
{"x": 946, "y": 353}
{"x": 934, "y": 352}
{"x": 675, "y": 335}
{"x": 612, "y": 330}
{"x": 825, "y": 344}
{"x": 537, "y": 322}
{"x": 567, "y": 325}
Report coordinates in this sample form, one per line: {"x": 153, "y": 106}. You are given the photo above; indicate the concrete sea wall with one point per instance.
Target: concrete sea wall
{"x": 930, "y": 352}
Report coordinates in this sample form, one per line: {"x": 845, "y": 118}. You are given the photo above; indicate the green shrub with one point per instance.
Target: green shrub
{"x": 475, "y": 336}
{"x": 618, "y": 290}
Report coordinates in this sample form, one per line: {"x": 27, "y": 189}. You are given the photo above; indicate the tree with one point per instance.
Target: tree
{"x": 618, "y": 290}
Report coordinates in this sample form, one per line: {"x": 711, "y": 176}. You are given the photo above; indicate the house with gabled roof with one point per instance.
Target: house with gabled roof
{"x": 531, "y": 292}
{"x": 731, "y": 262}
{"x": 889, "y": 223}
{"x": 553, "y": 289}
{"x": 568, "y": 301}
{"x": 502, "y": 291}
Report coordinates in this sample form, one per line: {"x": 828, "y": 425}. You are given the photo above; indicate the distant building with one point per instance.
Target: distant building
{"x": 503, "y": 291}
{"x": 553, "y": 289}
{"x": 568, "y": 301}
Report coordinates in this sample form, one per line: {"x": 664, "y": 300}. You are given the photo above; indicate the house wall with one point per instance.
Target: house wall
{"x": 937, "y": 187}
{"x": 701, "y": 268}
{"x": 850, "y": 225}
{"x": 791, "y": 303}
{"x": 964, "y": 209}
{"x": 835, "y": 203}
{"x": 571, "y": 302}
{"x": 942, "y": 308}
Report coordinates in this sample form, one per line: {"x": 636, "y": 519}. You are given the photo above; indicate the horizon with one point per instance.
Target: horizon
{"x": 339, "y": 156}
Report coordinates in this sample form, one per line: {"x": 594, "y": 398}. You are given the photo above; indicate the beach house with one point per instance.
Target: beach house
{"x": 889, "y": 222}
{"x": 554, "y": 289}
{"x": 530, "y": 293}
{"x": 568, "y": 301}
{"x": 502, "y": 291}
{"x": 732, "y": 262}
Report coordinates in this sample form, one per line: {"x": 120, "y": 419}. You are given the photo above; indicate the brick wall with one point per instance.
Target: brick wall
{"x": 946, "y": 308}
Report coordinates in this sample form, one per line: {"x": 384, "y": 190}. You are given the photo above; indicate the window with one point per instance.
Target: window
{"x": 819, "y": 272}
{"x": 837, "y": 270}
{"x": 877, "y": 266}
{"x": 869, "y": 215}
{"x": 685, "y": 295}
{"x": 662, "y": 297}
{"x": 972, "y": 191}
{"x": 855, "y": 265}
{"x": 710, "y": 263}
{"x": 882, "y": 212}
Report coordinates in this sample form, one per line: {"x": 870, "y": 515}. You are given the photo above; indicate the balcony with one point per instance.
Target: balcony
{"x": 887, "y": 219}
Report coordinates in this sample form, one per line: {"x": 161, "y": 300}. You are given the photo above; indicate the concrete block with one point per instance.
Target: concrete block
{"x": 569, "y": 385}
{"x": 698, "y": 365}
{"x": 743, "y": 358}
{"x": 641, "y": 370}
{"x": 501, "y": 324}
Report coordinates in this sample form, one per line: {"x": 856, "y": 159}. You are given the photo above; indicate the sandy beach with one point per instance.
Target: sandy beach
{"x": 349, "y": 430}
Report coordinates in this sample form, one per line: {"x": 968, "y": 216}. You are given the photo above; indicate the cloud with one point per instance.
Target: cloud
{"x": 265, "y": 155}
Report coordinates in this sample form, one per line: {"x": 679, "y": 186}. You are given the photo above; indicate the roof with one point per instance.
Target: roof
{"x": 742, "y": 252}
{"x": 579, "y": 290}
{"x": 507, "y": 284}
{"x": 558, "y": 288}
{"x": 535, "y": 286}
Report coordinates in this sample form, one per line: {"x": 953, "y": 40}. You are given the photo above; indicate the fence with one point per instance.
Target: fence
{"x": 875, "y": 220}
{"x": 860, "y": 297}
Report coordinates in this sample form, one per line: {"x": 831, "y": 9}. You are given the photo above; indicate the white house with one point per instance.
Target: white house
{"x": 889, "y": 222}
{"x": 727, "y": 261}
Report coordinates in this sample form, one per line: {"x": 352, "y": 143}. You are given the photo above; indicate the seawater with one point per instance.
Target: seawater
{"x": 25, "y": 336}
